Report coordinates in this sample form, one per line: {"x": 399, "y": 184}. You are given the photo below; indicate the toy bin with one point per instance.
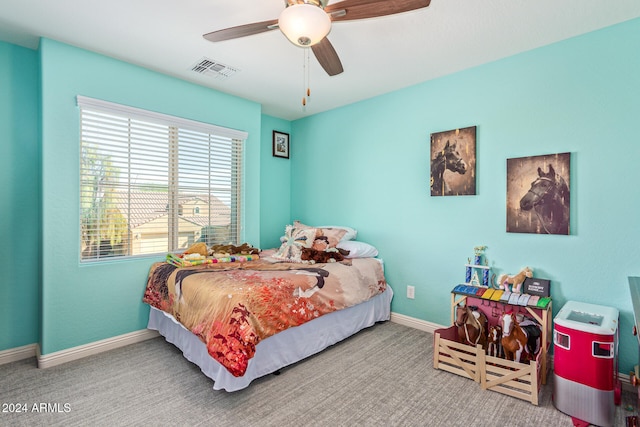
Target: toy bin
{"x": 585, "y": 383}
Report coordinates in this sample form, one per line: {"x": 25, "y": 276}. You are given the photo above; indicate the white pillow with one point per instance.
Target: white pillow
{"x": 358, "y": 249}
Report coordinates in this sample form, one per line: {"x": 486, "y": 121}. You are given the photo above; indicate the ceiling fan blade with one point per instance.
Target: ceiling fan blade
{"x": 327, "y": 57}
{"x": 241, "y": 31}
{"x": 349, "y": 10}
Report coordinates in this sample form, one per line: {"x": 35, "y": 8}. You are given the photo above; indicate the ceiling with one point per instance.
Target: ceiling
{"x": 379, "y": 55}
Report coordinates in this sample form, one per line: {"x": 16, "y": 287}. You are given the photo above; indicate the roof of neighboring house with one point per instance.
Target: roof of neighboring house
{"x": 147, "y": 206}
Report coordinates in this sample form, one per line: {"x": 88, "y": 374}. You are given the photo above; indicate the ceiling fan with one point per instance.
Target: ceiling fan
{"x": 306, "y": 23}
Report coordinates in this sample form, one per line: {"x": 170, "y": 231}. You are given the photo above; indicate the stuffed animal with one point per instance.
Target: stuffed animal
{"x": 228, "y": 250}
{"x": 315, "y": 256}
{"x": 516, "y": 281}
{"x": 321, "y": 243}
{"x": 246, "y": 249}
{"x": 198, "y": 248}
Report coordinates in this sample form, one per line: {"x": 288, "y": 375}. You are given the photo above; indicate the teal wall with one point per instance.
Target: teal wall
{"x": 275, "y": 183}
{"x": 368, "y": 166}
{"x": 90, "y": 302}
{"x": 581, "y": 96}
{"x": 19, "y": 196}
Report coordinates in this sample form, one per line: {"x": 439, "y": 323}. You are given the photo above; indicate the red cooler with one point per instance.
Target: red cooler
{"x": 585, "y": 362}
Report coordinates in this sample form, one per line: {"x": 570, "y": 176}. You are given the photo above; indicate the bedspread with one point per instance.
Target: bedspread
{"x": 232, "y": 306}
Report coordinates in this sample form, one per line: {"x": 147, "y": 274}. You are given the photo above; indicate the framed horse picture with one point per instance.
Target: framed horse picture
{"x": 453, "y": 162}
{"x": 538, "y": 194}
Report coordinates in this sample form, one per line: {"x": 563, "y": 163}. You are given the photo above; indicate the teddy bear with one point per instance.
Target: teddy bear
{"x": 313, "y": 256}
{"x": 227, "y": 250}
{"x": 246, "y": 249}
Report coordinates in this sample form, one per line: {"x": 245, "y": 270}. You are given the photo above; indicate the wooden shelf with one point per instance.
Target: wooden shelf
{"x": 519, "y": 380}
{"x": 541, "y": 315}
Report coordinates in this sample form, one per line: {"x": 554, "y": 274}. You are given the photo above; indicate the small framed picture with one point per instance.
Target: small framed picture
{"x": 280, "y": 144}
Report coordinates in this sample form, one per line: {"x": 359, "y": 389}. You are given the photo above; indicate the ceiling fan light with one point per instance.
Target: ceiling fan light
{"x": 304, "y": 24}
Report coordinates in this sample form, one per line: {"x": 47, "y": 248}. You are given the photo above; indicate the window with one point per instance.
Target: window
{"x": 145, "y": 175}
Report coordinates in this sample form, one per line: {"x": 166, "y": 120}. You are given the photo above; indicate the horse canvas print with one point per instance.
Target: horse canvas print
{"x": 538, "y": 194}
{"x": 453, "y": 162}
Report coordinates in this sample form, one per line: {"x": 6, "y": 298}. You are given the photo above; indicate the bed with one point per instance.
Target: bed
{"x": 242, "y": 320}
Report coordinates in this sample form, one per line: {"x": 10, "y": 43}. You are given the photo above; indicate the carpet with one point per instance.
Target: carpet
{"x": 382, "y": 376}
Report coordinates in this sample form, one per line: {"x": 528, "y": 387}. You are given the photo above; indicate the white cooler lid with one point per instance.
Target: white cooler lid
{"x": 582, "y": 316}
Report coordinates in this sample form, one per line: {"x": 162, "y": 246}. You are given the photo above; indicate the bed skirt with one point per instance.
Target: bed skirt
{"x": 280, "y": 350}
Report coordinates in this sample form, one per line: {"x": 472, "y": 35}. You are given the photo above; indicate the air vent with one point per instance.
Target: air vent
{"x": 214, "y": 69}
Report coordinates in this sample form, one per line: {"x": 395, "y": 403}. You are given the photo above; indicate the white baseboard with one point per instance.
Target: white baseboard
{"x": 18, "y": 353}
{"x": 412, "y": 322}
{"x": 75, "y": 353}
{"x": 626, "y": 383}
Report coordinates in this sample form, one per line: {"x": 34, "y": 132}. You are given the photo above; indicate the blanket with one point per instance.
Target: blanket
{"x": 231, "y": 307}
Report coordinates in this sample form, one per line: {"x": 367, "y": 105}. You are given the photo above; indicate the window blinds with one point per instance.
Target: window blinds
{"x": 152, "y": 183}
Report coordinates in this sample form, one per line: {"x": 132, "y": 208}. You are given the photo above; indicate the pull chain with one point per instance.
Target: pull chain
{"x": 305, "y": 78}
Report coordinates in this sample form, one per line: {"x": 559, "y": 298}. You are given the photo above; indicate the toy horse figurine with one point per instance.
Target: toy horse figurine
{"x": 494, "y": 345}
{"x": 519, "y": 345}
{"x": 472, "y": 326}
{"x": 505, "y": 280}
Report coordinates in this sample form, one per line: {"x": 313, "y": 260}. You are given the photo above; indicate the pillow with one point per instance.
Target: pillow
{"x": 295, "y": 239}
{"x": 358, "y": 249}
{"x": 349, "y": 233}
{"x": 327, "y": 238}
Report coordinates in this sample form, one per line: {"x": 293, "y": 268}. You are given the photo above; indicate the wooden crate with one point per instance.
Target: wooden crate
{"x": 542, "y": 316}
{"x": 519, "y": 380}
{"x": 457, "y": 358}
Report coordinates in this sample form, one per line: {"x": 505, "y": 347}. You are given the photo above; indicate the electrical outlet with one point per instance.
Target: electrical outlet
{"x": 411, "y": 292}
